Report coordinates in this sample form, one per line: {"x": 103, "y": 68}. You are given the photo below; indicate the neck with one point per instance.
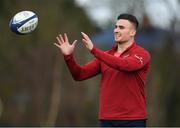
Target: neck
{"x": 124, "y": 45}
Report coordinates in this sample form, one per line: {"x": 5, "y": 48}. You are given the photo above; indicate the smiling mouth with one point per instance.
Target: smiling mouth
{"x": 117, "y": 36}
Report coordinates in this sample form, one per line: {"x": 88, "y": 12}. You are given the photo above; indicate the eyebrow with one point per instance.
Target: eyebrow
{"x": 120, "y": 26}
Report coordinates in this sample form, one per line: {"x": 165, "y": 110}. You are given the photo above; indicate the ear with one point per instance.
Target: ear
{"x": 133, "y": 32}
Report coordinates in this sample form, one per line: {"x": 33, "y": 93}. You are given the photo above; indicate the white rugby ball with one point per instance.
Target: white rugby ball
{"x": 23, "y": 22}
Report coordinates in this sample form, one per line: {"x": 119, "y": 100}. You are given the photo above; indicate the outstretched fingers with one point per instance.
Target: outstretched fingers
{"x": 85, "y": 35}
{"x": 63, "y": 42}
{"x": 58, "y": 45}
{"x": 65, "y": 38}
{"x": 87, "y": 41}
{"x": 61, "y": 38}
{"x": 58, "y": 40}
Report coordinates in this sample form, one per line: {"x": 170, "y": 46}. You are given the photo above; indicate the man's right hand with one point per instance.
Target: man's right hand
{"x": 64, "y": 45}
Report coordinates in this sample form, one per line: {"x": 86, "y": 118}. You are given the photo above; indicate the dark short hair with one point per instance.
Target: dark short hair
{"x": 130, "y": 18}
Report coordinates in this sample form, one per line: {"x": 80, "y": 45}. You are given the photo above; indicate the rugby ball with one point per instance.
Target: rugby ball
{"x": 23, "y": 22}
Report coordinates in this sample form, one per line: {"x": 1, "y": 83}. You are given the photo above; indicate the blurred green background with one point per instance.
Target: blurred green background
{"x": 36, "y": 88}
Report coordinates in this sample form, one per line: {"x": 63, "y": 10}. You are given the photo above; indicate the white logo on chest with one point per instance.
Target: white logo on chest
{"x": 139, "y": 58}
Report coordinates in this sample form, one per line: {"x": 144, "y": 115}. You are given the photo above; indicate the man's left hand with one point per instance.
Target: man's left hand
{"x": 87, "y": 41}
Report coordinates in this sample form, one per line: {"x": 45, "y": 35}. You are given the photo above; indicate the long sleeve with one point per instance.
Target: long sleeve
{"x": 133, "y": 62}
{"x": 79, "y": 72}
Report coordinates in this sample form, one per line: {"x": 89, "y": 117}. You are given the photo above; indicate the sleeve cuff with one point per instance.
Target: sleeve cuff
{"x": 67, "y": 57}
{"x": 93, "y": 50}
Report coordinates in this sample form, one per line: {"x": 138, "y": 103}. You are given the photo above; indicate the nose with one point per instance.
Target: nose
{"x": 116, "y": 30}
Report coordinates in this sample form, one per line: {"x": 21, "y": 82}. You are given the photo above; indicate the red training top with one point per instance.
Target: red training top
{"x": 122, "y": 94}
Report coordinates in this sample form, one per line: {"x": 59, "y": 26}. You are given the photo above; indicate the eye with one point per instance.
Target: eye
{"x": 121, "y": 27}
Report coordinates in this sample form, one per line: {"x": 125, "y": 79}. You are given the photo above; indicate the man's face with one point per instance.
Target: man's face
{"x": 124, "y": 31}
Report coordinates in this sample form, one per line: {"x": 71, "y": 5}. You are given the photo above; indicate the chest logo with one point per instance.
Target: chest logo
{"x": 139, "y": 58}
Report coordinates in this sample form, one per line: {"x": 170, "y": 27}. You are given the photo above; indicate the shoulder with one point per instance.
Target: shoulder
{"x": 138, "y": 50}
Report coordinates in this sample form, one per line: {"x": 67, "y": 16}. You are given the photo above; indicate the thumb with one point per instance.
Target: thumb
{"x": 74, "y": 43}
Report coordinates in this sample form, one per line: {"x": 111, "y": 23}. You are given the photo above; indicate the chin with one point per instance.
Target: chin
{"x": 118, "y": 42}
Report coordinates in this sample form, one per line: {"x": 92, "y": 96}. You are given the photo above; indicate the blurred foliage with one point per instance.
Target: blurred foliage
{"x": 36, "y": 88}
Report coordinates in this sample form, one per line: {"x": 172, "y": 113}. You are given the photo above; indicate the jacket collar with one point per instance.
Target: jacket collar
{"x": 114, "y": 48}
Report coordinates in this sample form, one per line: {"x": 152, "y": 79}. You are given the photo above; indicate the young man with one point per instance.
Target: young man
{"x": 124, "y": 70}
